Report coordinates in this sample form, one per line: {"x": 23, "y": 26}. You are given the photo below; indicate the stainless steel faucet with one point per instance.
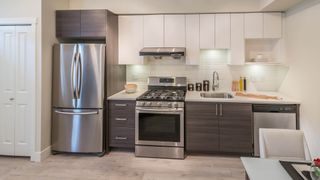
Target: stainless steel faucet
{"x": 215, "y": 81}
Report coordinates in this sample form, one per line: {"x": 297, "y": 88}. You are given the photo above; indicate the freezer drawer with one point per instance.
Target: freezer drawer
{"x": 77, "y": 131}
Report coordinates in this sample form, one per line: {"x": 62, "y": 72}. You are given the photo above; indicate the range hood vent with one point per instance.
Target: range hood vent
{"x": 158, "y": 52}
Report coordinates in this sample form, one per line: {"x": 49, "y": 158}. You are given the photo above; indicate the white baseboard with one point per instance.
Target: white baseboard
{"x": 40, "y": 156}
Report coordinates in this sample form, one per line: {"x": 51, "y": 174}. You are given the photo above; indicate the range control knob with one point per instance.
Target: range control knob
{"x": 159, "y": 104}
{"x": 148, "y": 103}
{"x": 170, "y": 105}
{"x": 141, "y": 103}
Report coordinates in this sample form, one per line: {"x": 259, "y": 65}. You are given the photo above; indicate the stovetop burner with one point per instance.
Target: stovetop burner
{"x": 163, "y": 95}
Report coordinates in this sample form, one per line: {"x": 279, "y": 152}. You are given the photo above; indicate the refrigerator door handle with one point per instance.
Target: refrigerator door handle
{"x": 76, "y": 113}
{"x": 79, "y": 75}
{"x": 73, "y": 72}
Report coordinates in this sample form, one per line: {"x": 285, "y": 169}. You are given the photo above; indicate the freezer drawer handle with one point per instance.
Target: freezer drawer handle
{"x": 121, "y": 119}
{"x": 77, "y": 113}
{"x": 121, "y": 138}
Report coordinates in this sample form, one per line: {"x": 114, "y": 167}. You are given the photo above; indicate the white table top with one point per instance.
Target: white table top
{"x": 264, "y": 169}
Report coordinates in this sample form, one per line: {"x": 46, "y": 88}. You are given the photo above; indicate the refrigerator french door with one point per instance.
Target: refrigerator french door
{"x": 78, "y": 95}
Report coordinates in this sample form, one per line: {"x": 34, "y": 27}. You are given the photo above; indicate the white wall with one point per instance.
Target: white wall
{"x": 167, "y": 6}
{"x": 47, "y": 40}
{"x": 262, "y": 78}
{"x": 30, "y": 9}
{"x": 302, "y": 81}
{"x": 43, "y": 10}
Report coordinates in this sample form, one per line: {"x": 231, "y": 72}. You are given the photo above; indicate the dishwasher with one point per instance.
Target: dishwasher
{"x": 276, "y": 116}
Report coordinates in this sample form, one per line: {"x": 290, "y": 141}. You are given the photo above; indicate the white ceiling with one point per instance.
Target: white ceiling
{"x": 182, "y": 6}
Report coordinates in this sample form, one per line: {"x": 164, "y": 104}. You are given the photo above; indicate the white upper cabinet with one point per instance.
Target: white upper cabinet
{"x": 130, "y": 39}
{"x": 174, "y": 31}
{"x": 272, "y": 25}
{"x": 153, "y": 27}
{"x": 263, "y": 25}
{"x": 237, "y": 53}
{"x": 253, "y": 25}
{"x": 192, "y": 39}
{"x": 222, "y": 31}
{"x": 207, "y": 23}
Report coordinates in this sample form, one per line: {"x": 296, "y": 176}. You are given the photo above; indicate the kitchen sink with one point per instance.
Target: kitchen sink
{"x": 217, "y": 95}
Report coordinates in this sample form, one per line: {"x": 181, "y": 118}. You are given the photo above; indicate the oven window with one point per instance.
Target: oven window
{"x": 159, "y": 127}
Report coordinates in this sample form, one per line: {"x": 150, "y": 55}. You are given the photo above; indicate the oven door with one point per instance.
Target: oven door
{"x": 159, "y": 127}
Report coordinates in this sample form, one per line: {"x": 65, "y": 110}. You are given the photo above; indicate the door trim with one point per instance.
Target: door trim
{"x": 35, "y": 105}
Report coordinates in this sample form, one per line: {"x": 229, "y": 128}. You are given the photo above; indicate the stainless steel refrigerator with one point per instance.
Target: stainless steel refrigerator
{"x": 78, "y": 96}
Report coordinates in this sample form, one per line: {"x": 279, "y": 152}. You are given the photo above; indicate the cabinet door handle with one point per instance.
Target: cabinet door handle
{"x": 121, "y": 105}
{"x": 121, "y": 119}
{"x": 216, "y": 109}
{"x": 120, "y": 138}
{"x": 221, "y": 110}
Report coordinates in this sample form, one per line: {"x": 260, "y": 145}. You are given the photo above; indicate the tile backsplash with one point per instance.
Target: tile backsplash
{"x": 260, "y": 77}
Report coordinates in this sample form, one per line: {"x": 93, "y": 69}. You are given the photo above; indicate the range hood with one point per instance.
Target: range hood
{"x": 158, "y": 52}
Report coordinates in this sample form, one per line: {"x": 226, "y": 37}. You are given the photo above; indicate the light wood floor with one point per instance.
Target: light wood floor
{"x": 122, "y": 166}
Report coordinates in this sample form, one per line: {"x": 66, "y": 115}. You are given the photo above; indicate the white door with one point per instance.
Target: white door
{"x": 253, "y": 25}
{"x": 153, "y": 27}
{"x": 222, "y": 30}
{"x": 130, "y": 39}
{"x": 272, "y": 25}
{"x": 174, "y": 31}
{"x": 7, "y": 89}
{"x": 17, "y": 85}
{"x": 237, "y": 53}
{"x": 192, "y": 39}
{"x": 207, "y": 23}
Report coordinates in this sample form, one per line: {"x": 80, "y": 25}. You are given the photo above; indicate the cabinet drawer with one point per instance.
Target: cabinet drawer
{"x": 122, "y": 120}
{"x": 122, "y": 107}
{"x": 122, "y": 137}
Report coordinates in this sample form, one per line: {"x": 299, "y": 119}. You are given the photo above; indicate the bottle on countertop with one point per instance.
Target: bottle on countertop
{"x": 206, "y": 85}
{"x": 244, "y": 83}
{"x": 190, "y": 87}
{"x": 198, "y": 86}
{"x": 241, "y": 84}
{"x": 235, "y": 86}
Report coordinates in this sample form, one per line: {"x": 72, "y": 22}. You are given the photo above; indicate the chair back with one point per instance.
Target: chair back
{"x": 283, "y": 144}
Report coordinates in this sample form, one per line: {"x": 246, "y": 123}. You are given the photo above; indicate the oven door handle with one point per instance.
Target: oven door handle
{"x": 179, "y": 110}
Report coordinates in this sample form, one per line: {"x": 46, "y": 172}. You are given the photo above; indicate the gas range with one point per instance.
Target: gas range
{"x": 163, "y": 95}
{"x": 159, "y": 118}
{"x": 164, "y": 92}
{"x": 162, "y": 98}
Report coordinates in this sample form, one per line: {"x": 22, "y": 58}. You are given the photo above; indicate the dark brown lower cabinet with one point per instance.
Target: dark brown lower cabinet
{"x": 236, "y": 128}
{"x": 219, "y": 127}
{"x": 202, "y": 127}
{"x": 121, "y": 117}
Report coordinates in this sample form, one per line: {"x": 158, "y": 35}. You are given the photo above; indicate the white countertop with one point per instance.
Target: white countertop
{"x": 122, "y": 95}
{"x": 194, "y": 96}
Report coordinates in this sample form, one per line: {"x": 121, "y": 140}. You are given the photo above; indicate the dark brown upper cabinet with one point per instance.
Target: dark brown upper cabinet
{"x": 93, "y": 23}
{"x": 68, "y": 24}
{"x": 81, "y": 24}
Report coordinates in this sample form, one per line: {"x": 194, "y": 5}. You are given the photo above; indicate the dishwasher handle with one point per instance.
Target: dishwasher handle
{"x": 275, "y": 108}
